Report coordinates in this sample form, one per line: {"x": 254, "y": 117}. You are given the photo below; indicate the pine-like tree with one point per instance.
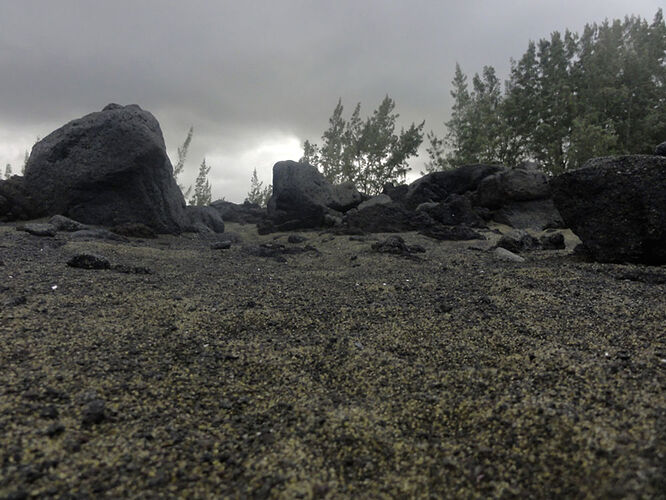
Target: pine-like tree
{"x": 257, "y": 193}
{"x": 8, "y": 171}
{"x": 369, "y": 152}
{"x": 179, "y": 167}
{"x": 202, "y": 188}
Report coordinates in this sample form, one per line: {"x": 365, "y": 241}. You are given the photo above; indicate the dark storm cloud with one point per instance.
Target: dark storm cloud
{"x": 251, "y": 73}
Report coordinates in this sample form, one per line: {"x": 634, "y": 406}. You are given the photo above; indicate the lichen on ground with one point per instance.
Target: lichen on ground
{"x": 337, "y": 373}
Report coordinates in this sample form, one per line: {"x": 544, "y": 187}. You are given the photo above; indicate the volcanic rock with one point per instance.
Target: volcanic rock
{"x": 88, "y": 261}
{"x": 518, "y": 241}
{"x": 660, "y": 150}
{"x": 205, "y": 219}
{"x": 391, "y": 218}
{"x": 302, "y": 197}
{"x": 15, "y": 202}
{"x": 37, "y": 229}
{"x": 437, "y": 186}
{"x": 617, "y": 207}
{"x": 244, "y": 213}
{"x": 107, "y": 168}
{"x": 66, "y": 224}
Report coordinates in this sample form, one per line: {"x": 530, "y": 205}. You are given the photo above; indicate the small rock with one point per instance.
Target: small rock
{"x": 220, "y": 245}
{"x": 553, "y": 241}
{"x": 88, "y": 261}
{"x": 397, "y": 246}
{"x": 660, "y": 150}
{"x": 93, "y": 412}
{"x": 296, "y": 238}
{"x": 507, "y": 256}
{"x": 48, "y": 230}
{"x": 62, "y": 223}
{"x": 55, "y": 429}
{"x": 518, "y": 240}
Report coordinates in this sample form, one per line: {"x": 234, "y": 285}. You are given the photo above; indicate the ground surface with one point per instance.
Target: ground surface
{"x": 338, "y": 373}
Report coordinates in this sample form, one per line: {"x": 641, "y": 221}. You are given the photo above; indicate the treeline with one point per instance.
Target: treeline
{"x": 568, "y": 98}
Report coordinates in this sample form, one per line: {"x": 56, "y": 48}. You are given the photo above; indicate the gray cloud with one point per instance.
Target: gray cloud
{"x": 253, "y": 75}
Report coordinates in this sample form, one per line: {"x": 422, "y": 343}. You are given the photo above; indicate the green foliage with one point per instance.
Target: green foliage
{"x": 202, "y": 192}
{"x": 367, "y": 152}
{"x": 8, "y": 171}
{"x": 257, "y": 193}
{"x": 180, "y": 164}
{"x": 568, "y": 98}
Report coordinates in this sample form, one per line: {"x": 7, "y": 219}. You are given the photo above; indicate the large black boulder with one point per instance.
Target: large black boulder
{"x": 107, "y": 168}
{"x": 302, "y": 197}
{"x": 617, "y": 206}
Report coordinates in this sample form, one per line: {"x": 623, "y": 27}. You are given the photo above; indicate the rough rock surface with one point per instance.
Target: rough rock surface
{"x": 66, "y": 224}
{"x": 456, "y": 209}
{"x": 245, "y": 213}
{"x": 302, "y": 197}
{"x": 437, "y": 186}
{"x": 107, "y": 168}
{"x": 535, "y": 214}
{"x": 660, "y": 150}
{"x": 617, "y": 206}
{"x": 205, "y": 219}
{"x": 15, "y": 201}
{"x": 38, "y": 229}
{"x": 513, "y": 184}
{"x": 390, "y": 218}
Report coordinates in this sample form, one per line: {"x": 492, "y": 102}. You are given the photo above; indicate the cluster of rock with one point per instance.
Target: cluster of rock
{"x": 465, "y": 197}
{"x": 110, "y": 168}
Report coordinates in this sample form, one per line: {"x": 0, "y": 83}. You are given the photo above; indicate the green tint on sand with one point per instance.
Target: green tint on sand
{"x": 326, "y": 376}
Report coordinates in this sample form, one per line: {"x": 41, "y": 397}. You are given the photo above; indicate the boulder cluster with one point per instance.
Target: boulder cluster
{"x": 110, "y": 168}
{"x": 468, "y": 196}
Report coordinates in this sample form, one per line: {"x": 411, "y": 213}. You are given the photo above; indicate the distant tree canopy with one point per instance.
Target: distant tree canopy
{"x": 568, "y": 98}
{"x": 367, "y": 152}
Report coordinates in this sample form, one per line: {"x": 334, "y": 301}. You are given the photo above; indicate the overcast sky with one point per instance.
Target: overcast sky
{"x": 257, "y": 78}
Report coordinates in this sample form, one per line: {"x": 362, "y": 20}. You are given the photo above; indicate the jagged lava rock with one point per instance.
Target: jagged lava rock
{"x": 617, "y": 207}
{"x": 107, "y": 168}
{"x": 302, "y": 197}
{"x": 437, "y": 186}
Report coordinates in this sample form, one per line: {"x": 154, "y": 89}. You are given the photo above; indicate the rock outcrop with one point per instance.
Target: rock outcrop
{"x": 617, "y": 207}
{"x": 107, "y": 168}
{"x": 303, "y": 198}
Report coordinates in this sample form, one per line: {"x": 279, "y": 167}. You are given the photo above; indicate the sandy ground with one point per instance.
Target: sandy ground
{"x": 333, "y": 373}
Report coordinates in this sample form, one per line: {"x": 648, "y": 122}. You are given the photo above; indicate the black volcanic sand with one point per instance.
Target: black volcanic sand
{"x": 332, "y": 374}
